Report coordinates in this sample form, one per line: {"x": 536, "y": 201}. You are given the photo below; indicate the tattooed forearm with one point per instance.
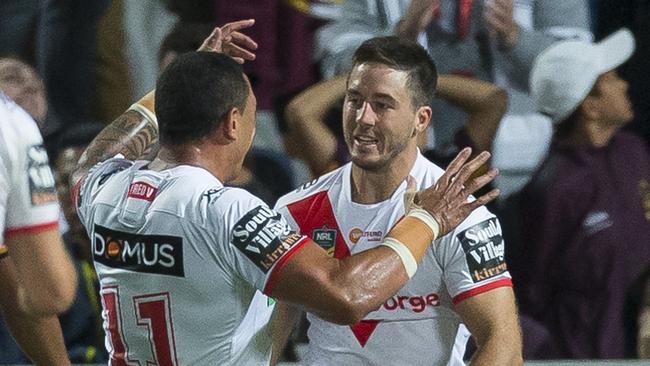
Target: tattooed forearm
{"x": 131, "y": 135}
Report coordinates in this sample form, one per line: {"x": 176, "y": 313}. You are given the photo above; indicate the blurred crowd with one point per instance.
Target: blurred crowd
{"x": 575, "y": 201}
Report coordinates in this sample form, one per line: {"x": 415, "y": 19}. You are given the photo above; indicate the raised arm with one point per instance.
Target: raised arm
{"x": 345, "y": 291}
{"x": 306, "y": 119}
{"x": 484, "y": 102}
{"x": 134, "y": 134}
{"x": 518, "y": 46}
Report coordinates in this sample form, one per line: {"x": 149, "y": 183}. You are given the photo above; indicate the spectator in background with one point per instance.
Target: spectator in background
{"x": 21, "y": 83}
{"x": 314, "y": 119}
{"x": 635, "y": 15}
{"x": 488, "y": 39}
{"x": 586, "y": 213}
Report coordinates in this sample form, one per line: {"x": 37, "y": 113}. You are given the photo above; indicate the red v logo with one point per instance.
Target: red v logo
{"x": 363, "y": 330}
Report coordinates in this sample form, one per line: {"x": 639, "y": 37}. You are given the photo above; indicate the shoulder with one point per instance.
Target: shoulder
{"x": 309, "y": 189}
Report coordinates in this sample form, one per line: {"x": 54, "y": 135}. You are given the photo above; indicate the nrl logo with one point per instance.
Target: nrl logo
{"x": 326, "y": 238}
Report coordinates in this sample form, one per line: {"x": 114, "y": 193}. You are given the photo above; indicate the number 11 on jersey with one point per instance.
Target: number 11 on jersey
{"x": 153, "y": 315}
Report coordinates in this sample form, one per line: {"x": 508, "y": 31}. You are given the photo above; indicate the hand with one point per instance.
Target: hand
{"x": 447, "y": 201}
{"x": 418, "y": 17}
{"x": 229, "y": 41}
{"x": 500, "y": 22}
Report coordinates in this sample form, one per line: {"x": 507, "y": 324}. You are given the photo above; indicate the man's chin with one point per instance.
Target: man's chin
{"x": 370, "y": 164}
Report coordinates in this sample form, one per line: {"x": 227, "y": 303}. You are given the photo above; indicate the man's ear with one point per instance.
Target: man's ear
{"x": 423, "y": 116}
{"x": 229, "y": 125}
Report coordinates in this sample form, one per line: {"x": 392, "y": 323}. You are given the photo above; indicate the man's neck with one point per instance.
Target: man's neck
{"x": 192, "y": 155}
{"x": 368, "y": 187}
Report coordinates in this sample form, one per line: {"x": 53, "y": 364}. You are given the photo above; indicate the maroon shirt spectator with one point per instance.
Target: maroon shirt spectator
{"x": 586, "y": 213}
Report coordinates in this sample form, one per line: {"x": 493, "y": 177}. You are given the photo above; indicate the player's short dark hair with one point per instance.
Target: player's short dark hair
{"x": 403, "y": 55}
{"x": 195, "y": 93}
{"x": 184, "y": 37}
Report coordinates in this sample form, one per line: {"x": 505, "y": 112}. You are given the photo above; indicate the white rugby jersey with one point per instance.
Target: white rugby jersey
{"x": 179, "y": 257}
{"x": 418, "y": 325}
{"x": 27, "y": 190}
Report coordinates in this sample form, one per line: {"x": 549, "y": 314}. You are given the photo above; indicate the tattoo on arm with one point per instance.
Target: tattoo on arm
{"x": 131, "y": 135}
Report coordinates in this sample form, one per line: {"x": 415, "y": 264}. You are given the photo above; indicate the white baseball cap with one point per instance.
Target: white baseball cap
{"x": 564, "y": 74}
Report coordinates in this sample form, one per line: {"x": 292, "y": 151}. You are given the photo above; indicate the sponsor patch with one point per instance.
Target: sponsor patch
{"x": 484, "y": 250}
{"x": 42, "y": 187}
{"x": 158, "y": 254}
{"x": 356, "y": 234}
{"x": 263, "y": 236}
{"x": 142, "y": 191}
{"x": 326, "y": 238}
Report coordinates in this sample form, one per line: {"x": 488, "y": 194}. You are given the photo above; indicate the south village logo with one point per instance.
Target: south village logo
{"x": 159, "y": 254}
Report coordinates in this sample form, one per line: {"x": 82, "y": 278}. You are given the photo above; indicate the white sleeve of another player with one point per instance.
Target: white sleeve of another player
{"x": 258, "y": 239}
{"x": 30, "y": 204}
{"x": 473, "y": 257}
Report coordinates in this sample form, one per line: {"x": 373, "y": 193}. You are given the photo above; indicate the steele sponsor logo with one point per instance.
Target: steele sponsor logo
{"x": 159, "y": 254}
{"x": 42, "y": 186}
{"x": 263, "y": 236}
{"x": 416, "y": 304}
{"x": 356, "y": 234}
{"x": 484, "y": 250}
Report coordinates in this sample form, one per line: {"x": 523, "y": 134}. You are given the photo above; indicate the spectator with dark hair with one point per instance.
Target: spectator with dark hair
{"x": 586, "y": 213}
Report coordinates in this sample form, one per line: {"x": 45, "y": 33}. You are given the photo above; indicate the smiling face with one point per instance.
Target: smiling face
{"x": 380, "y": 122}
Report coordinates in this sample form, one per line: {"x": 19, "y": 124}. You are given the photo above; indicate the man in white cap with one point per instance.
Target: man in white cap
{"x": 586, "y": 212}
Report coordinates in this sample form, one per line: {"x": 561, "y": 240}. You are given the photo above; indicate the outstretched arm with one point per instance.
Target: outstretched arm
{"x": 134, "y": 134}
{"x": 306, "y": 119}
{"x": 344, "y": 291}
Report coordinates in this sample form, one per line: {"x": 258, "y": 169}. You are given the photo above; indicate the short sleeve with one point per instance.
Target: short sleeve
{"x": 257, "y": 238}
{"x": 473, "y": 257}
{"x": 90, "y": 185}
{"x": 29, "y": 202}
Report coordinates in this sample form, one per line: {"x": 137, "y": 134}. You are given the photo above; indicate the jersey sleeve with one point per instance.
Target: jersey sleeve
{"x": 258, "y": 239}
{"x": 472, "y": 257}
{"x": 90, "y": 185}
{"x": 28, "y": 199}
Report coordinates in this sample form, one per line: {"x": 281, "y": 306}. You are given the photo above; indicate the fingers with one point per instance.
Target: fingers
{"x": 243, "y": 40}
{"x": 213, "y": 42}
{"x": 468, "y": 169}
{"x": 455, "y": 166}
{"x": 238, "y": 25}
{"x": 237, "y": 52}
{"x": 481, "y": 181}
{"x": 483, "y": 200}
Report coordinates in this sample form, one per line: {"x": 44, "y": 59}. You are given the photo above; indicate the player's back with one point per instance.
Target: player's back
{"x": 171, "y": 290}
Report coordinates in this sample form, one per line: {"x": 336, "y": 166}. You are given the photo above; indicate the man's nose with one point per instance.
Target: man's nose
{"x": 365, "y": 114}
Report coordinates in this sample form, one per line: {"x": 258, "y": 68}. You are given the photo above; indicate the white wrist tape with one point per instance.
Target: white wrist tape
{"x": 145, "y": 112}
{"x": 410, "y": 264}
{"x": 424, "y": 216}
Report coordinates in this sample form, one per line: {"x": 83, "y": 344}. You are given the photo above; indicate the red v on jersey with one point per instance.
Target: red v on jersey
{"x": 315, "y": 212}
